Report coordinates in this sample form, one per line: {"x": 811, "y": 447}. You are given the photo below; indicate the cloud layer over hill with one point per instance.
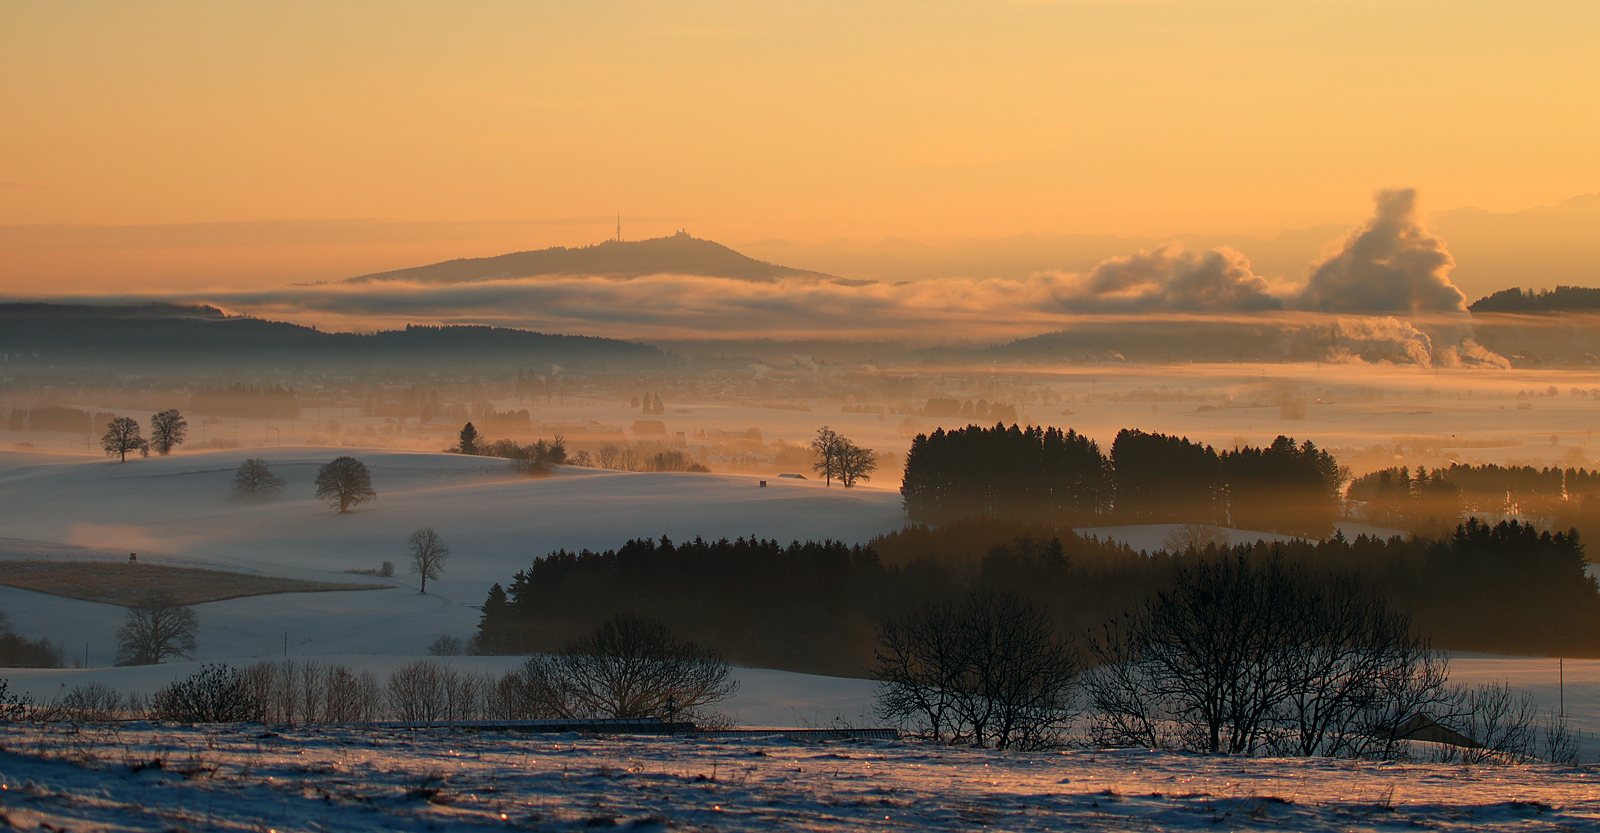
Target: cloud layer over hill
{"x": 1391, "y": 268}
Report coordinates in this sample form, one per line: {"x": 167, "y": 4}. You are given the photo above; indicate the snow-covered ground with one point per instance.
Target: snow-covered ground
{"x": 249, "y": 778}
{"x": 181, "y": 510}
{"x": 765, "y": 697}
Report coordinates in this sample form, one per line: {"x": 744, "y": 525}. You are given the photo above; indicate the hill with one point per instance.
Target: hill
{"x": 680, "y": 254}
{"x": 180, "y": 511}
{"x": 114, "y": 335}
{"x": 1560, "y": 299}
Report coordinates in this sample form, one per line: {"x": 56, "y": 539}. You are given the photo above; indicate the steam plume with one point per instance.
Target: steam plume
{"x": 1170, "y": 278}
{"x": 1391, "y": 264}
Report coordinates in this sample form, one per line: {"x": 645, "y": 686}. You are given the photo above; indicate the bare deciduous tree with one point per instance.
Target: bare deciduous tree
{"x": 122, "y": 436}
{"x": 1194, "y": 536}
{"x": 838, "y": 457}
{"x": 826, "y": 446}
{"x": 345, "y": 482}
{"x": 1248, "y": 656}
{"x": 97, "y": 702}
{"x": 254, "y": 477}
{"x": 987, "y": 670}
{"x": 427, "y": 690}
{"x": 855, "y": 463}
{"x": 428, "y": 555}
{"x": 629, "y": 667}
{"x": 447, "y": 646}
{"x": 157, "y": 628}
{"x": 167, "y": 431}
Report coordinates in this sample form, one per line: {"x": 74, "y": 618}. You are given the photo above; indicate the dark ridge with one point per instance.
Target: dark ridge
{"x": 679, "y": 254}
{"x": 121, "y": 335}
{"x": 1560, "y": 299}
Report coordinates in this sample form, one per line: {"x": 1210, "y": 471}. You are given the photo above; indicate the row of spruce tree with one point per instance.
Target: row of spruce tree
{"x": 817, "y": 606}
{"x": 1047, "y": 474}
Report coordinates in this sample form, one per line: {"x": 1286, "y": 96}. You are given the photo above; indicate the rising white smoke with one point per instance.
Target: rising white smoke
{"x": 1169, "y": 278}
{"x": 1389, "y": 265}
{"x": 1383, "y": 295}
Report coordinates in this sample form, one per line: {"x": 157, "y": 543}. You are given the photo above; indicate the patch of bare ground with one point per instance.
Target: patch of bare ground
{"x": 126, "y": 584}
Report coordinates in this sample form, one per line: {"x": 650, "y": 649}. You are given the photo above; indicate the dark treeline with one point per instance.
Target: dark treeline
{"x": 1549, "y": 300}
{"x": 1046, "y": 474}
{"x": 982, "y": 409}
{"x": 204, "y": 335}
{"x": 816, "y": 607}
{"x": 1431, "y": 502}
{"x": 246, "y": 402}
{"x": 57, "y": 419}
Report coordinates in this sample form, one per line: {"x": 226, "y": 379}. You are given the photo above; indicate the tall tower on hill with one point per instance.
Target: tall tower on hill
{"x": 619, "y": 226}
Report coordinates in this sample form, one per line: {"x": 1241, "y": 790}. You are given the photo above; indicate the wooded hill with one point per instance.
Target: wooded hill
{"x": 1560, "y": 299}
{"x": 679, "y": 254}
{"x": 122, "y": 335}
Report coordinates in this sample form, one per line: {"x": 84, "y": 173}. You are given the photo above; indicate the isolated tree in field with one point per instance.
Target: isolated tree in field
{"x": 254, "y": 476}
{"x": 840, "y": 458}
{"x": 855, "y": 463}
{"x": 468, "y": 443}
{"x": 428, "y": 555}
{"x": 826, "y": 446}
{"x": 156, "y": 628}
{"x": 167, "y": 430}
{"x": 122, "y": 436}
{"x": 345, "y": 482}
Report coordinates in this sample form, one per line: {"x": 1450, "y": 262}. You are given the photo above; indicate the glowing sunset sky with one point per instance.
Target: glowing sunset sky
{"x": 259, "y": 143}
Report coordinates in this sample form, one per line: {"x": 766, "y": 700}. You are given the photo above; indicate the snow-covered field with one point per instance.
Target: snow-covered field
{"x": 180, "y": 510}
{"x": 143, "y": 777}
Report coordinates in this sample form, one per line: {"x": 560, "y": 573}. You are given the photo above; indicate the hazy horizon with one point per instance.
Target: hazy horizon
{"x": 198, "y": 147}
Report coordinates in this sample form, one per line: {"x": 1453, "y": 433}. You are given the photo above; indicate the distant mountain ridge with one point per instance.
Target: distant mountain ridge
{"x": 680, "y": 254}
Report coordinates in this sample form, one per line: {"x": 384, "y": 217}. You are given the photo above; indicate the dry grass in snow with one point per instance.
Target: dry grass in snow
{"x": 127, "y": 584}
{"x": 248, "y": 777}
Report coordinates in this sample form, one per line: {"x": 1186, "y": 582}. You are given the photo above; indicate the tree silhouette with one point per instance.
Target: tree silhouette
{"x": 255, "y": 476}
{"x": 855, "y": 463}
{"x": 428, "y": 555}
{"x": 122, "y": 436}
{"x": 345, "y": 482}
{"x": 840, "y": 458}
{"x": 157, "y": 628}
{"x": 826, "y": 446}
{"x": 630, "y": 667}
{"x": 988, "y": 670}
{"x": 167, "y": 430}
{"x": 1032, "y": 472}
{"x": 469, "y": 439}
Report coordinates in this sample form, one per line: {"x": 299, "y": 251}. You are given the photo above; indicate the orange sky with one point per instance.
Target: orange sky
{"x": 380, "y": 135}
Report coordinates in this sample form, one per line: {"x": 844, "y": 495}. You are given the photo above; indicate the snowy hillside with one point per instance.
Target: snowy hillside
{"x": 181, "y": 510}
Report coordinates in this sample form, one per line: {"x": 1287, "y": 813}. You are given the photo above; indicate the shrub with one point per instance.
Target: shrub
{"x": 629, "y": 667}
{"x": 214, "y": 694}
